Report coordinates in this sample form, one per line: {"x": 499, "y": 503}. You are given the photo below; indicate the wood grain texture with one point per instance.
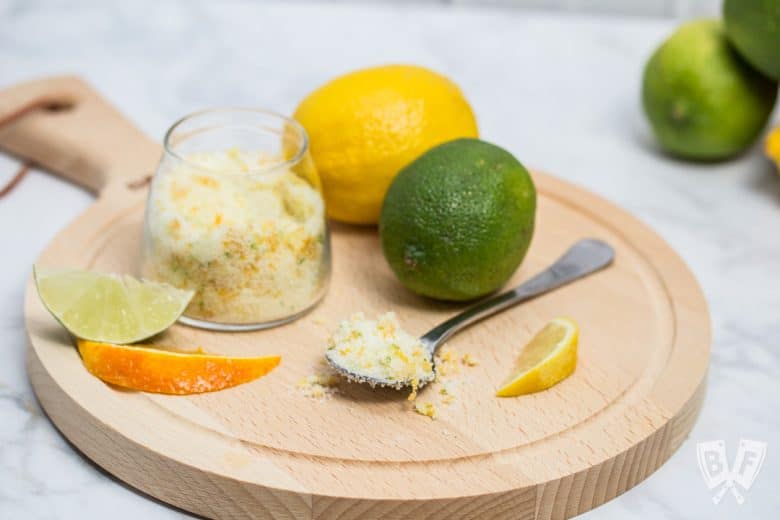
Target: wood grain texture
{"x": 263, "y": 450}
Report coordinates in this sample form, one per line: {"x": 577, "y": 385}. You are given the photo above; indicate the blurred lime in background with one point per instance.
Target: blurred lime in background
{"x": 753, "y": 26}
{"x": 705, "y": 102}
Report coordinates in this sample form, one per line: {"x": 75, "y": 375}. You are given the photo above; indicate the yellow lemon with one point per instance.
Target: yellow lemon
{"x": 548, "y": 359}
{"x": 772, "y": 146}
{"x": 367, "y": 125}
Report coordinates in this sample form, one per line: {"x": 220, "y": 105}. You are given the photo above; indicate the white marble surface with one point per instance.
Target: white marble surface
{"x": 560, "y": 91}
{"x": 667, "y": 8}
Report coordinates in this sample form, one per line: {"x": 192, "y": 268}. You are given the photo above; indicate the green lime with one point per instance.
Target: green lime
{"x": 753, "y": 26}
{"x": 703, "y": 101}
{"x": 109, "y": 308}
{"x": 457, "y": 221}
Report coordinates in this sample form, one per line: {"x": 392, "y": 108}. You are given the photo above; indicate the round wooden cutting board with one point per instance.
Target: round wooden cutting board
{"x": 264, "y": 449}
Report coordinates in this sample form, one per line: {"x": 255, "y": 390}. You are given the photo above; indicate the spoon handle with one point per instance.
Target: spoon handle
{"x": 583, "y": 258}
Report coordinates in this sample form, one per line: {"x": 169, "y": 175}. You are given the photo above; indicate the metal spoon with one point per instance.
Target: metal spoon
{"x": 583, "y": 258}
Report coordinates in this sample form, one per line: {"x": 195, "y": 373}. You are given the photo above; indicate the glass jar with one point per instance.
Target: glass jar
{"x": 236, "y": 214}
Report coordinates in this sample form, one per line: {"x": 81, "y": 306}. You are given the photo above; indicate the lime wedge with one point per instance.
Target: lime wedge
{"x": 108, "y": 307}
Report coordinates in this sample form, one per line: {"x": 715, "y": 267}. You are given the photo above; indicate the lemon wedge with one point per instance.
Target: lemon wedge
{"x": 549, "y": 358}
{"x": 108, "y": 307}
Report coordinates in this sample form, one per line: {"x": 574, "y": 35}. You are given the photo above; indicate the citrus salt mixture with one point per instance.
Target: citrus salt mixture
{"x": 249, "y": 244}
{"x": 380, "y": 349}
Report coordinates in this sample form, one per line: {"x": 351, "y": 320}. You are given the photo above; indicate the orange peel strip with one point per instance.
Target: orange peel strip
{"x": 148, "y": 369}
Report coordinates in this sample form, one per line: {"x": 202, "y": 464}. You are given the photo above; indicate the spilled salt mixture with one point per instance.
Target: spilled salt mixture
{"x": 427, "y": 408}
{"x": 445, "y": 389}
{"x": 322, "y": 385}
{"x": 319, "y": 386}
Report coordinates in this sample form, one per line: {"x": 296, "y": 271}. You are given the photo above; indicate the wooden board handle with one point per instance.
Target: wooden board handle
{"x": 64, "y": 126}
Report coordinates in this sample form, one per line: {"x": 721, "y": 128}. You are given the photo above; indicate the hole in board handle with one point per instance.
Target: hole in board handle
{"x": 59, "y": 105}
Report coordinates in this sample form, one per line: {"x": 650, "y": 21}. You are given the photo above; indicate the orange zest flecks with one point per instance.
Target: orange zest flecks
{"x": 207, "y": 181}
{"x": 149, "y": 369}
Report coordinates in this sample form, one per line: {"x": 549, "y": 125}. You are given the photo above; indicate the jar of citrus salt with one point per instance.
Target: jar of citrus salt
{"x": 236, "y": 214}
